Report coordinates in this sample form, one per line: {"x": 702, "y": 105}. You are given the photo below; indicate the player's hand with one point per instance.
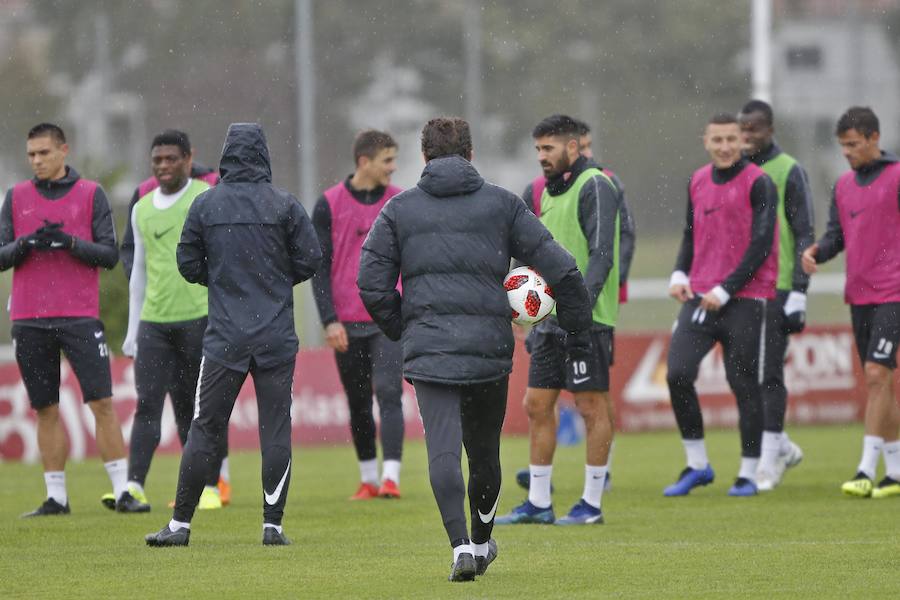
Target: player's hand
{"x": 681, "y": 292}
{"x": 808, "y": 260}
{"x": 794, "y": 313}
{"x": 336, "y": 337}
{"x": 710, "y": 302}
{"x": 55, "y": 237}
{"x": 32, "y": 241}
{"x": 129, "y": 347}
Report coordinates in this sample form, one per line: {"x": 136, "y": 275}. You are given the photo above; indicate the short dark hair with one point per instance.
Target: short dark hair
{"x": 173, "y": 137}
{"x": 761, "y": 107}
{"x": 722, "y": 118}
{"x": 583, "y": 127}
{"x": 370, "y": 142}
{"x": 860, "y": 118}
{"x": 446, "y": 136}
{"x": 51, "y": 129}
{"x": 559, "y": 125}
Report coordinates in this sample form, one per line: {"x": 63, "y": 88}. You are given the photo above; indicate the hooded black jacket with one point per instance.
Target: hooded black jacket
{"x": 250, "y": 243}
{"x": 451, "y": 239}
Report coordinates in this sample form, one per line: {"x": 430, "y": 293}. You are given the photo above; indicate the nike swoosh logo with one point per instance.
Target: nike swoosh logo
{"x": 486, "y": 518}
{"x": 580, "y": 380}
{"x": 158, "y": 235}
{"x": 272, "y": 499}
{"x": 856, "y": 213}
{"x": 98, "y": 334}
{"x": 709, "y": 211}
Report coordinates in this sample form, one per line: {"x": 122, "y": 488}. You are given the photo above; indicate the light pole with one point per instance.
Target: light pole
{"x": 761, "y": 41}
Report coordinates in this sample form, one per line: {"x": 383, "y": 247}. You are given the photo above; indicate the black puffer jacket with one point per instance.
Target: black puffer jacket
{"x": 451, "y": 239}
{"x": 250, "y": 243}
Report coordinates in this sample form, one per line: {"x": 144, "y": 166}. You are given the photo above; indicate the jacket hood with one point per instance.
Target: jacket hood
{"x": 245, "y": 156}
{"x": 450, "y": 176}
{"x": 888, "y": 157}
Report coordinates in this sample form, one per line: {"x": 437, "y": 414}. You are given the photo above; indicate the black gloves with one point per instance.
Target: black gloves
{"x": 794, "y": 313}
{"x": 48, "y": 237}
{"x": 54, "y": 236}
{"x": 32, "y": 241}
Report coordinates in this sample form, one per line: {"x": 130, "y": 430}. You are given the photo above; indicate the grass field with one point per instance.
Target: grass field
{"x": 804, "y": 540}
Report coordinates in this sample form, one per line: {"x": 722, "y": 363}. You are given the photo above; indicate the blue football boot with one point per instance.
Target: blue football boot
{"x": 527, "y": 513}
{"x": 689, "y": 479}
{"x": 582, "y": 514}
{"x": 743, "y": 487}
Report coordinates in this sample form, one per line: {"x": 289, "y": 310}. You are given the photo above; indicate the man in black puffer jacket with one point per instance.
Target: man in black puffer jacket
{"x": 250, "y": 243}
{"x": 451, "y": 238}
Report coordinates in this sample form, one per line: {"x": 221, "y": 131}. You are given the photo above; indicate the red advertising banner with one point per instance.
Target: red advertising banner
{"x": 822, "y": 375}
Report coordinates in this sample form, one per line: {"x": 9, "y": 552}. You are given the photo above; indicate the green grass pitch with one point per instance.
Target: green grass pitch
{"x": 802, "y": 541}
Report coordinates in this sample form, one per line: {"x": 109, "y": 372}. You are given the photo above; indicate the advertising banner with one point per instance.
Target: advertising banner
{"x": 822, "y": 374}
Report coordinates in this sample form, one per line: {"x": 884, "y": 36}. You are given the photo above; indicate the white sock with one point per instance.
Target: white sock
{"x": 462, "y": 549}
{"x": 391, "y": 470}
{"x": 872, "y": 446}
{"x": 695, "y": 450}
{"x": 272, "y": 526}
{"x": 539, "y": 487}
{"x": 748, "y": 468}
{"x": 118, "y": 475}
{"x": 594, "y": 478}
{"x": 56, "y": 486}
{"x": 771, "y": 448}
{"x": 224, "y": 473}
{"x": 176, "y": 525}
{"x": 785, "y": 442}
{"x": 134, "y": 485}
{"x": 480, "y": 549}
{"x": 892, "y": 459}
{"x": 368, "y": 471}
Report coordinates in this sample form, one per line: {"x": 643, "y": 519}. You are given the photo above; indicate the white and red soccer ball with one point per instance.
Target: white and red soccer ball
{"x": 530, "y": 298}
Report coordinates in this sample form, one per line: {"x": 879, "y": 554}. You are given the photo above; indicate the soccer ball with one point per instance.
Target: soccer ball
{"x": 530, "y": 298}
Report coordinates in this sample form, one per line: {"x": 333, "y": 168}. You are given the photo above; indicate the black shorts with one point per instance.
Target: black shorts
{"x": 84, "y": 344}
{"x": 551, "y": 369}
{"x": 876, "y": 328}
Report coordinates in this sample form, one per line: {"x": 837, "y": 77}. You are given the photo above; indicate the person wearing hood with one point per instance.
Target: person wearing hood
{"x": 450, "y": 239}
{"x": 786, "y": 314}
{"x": 581, "y": 207}
{"x": 249, "y": 243}
{"x": 864, "y": 221}
{"x": 56, "y": 231}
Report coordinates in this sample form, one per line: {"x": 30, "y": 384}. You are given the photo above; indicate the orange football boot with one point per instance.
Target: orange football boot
{"x": 389, "y": 489}
{"x": 224, "y": 491}
{"x": 366, "y": 491}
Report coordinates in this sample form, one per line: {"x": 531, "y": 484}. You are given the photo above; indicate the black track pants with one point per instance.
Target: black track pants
{"x": 218, "y": 389}
{"x": 740, "y": 328}
{"x": 470, "y": 416}
{"x": 168, "y": 360}
{"x": 774, "y": 391}
{"x": 374, "y": 362}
